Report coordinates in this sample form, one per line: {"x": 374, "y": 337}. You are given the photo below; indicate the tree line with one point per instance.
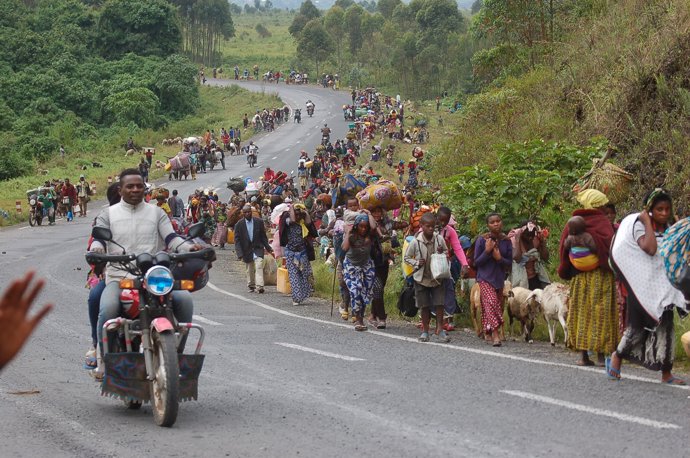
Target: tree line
{"x": 70, "y": 71}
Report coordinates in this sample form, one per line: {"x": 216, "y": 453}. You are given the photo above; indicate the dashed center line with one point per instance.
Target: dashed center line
{"x": 318, "y": 352}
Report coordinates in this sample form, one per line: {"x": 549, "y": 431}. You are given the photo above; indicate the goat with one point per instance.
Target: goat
{"x": 524, "y": 306}
{"x": 476, "y": 304}
{"x": 554, "y": 302}
{"x": 130, "y": 152}
{"x": 159, "y": 164}
{"x": 97, "y": 165}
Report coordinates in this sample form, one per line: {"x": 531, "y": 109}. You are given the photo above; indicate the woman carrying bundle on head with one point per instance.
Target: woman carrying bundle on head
{"x": 358, "y": 267}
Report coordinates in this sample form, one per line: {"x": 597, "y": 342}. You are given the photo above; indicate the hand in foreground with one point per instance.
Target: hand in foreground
{"x": 14, "y": 308}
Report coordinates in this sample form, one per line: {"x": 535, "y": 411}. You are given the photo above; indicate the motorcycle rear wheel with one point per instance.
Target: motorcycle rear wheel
{"x": 165, "y": 386}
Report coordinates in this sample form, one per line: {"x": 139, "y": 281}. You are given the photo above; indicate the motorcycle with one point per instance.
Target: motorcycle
{"x": 251, "y": 156}
{"x": 35, "y": 208}
{"x": 310, "y": 110}
{"x": 143, "y": 352}
{"x": 298, "y": 116}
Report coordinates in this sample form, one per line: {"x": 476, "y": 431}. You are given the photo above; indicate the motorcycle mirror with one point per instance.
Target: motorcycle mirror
{"x": 195, "y": 230}
{"x": 102, "y": 233}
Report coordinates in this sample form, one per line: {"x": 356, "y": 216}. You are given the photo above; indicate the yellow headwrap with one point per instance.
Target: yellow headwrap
{"x": 305, "y": 231}
{"x": 591, "y": 198}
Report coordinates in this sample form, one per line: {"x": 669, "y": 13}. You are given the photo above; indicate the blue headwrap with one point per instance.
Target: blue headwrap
{"x": 465, "y": 242}
{"x": 361, "y": 218}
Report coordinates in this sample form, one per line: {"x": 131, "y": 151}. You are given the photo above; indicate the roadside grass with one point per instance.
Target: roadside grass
{"x": 220, "y": 107}
{"x": 247, "y": 48}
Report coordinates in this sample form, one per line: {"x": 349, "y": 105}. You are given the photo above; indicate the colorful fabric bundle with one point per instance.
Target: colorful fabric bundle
{"x": 384, "y": 194}
{"x": 583, "y": 259}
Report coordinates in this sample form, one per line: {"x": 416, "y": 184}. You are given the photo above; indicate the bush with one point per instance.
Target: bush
{"x": 138, "y": 106}
{"x": 12, "y": 162}
{"x": 529, "y": 178}
{"x": 262, "y": 31}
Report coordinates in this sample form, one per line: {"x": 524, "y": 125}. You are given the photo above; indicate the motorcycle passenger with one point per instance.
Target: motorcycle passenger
{"x": 140, "y": 228}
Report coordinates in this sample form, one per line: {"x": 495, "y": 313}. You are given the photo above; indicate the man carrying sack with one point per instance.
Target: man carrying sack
{"x": 250, "y": 243}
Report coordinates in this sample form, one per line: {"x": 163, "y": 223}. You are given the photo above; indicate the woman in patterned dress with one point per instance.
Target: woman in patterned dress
{"x": 592, "y": 311}
{"x": 358, "y": 267}
{"x": 648, "y": 338}
{"x": 295, "y": 229}
{"x": 493, "y": 256}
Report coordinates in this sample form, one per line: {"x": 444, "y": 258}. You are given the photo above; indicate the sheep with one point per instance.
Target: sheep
{"x": 130, "y": 152}
{"x": 165, "y": 142}
{"x": 524, "y": 306}
{"x": 476, "y": 304}
{"x": 554, "y": 302}
{"x": 159, "y": 164}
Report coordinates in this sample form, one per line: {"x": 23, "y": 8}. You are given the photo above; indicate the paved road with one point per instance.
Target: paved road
{"x": 290, "y": 381}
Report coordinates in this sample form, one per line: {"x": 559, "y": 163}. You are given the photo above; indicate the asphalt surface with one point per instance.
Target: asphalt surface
{"x": 292, "y": 381}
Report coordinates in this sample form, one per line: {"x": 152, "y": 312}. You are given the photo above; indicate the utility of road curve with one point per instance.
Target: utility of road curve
{"x": 283, "y": 381}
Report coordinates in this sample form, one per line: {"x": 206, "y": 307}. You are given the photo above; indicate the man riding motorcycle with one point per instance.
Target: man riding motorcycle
{"x": 310, "y": 107}
{"x": 252, "y": 153}
{"x": 325, "y": 134}
{"x": 139, "y": 228}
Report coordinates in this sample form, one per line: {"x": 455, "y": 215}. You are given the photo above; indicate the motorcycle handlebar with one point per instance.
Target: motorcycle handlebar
{"x": 207, "y": 254}
{"x": 98, "y": 258}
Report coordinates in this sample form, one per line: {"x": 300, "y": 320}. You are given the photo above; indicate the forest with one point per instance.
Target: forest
{"x": 87, "y": 74}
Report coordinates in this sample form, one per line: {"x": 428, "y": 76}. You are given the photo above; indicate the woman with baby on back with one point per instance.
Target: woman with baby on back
{"x": 584, "y": 252}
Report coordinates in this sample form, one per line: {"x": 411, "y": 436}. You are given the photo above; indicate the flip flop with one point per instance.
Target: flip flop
{"x": 675, "y": 381}
{"x": 423, "y": 337}
{"x": 611, "y": 372}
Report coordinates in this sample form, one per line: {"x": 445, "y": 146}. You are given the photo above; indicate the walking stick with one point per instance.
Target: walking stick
{"x": 335, "y": 271}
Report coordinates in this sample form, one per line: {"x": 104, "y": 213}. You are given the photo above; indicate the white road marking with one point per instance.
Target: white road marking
{"x": 298, "y": 141}
{"x": 593, "y": 410}
{"x": 476, "y": 351}
{"x": 319, "y": 352}
{"x": 275, "y": 157}
{"x": 24, "y": 227}
{"x": 201, "y": 319}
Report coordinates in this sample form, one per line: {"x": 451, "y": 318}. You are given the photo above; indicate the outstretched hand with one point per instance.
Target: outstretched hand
{"x": 14, "y": 322}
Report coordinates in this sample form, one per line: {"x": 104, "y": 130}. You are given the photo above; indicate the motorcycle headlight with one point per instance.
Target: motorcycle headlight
{"x": 158, "y": 280}
{"x": 32, "y": 202}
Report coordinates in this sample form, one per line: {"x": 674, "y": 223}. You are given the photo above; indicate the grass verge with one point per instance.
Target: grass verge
{"x": 220, "y": 107}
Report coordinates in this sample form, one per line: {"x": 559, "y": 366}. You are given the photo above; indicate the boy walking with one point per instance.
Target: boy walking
{"x": 429, "y": 293}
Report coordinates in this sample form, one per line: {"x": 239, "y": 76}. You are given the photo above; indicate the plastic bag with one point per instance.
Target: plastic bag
{"x": 440, "y": 267}
{"x": 270, "y": 271}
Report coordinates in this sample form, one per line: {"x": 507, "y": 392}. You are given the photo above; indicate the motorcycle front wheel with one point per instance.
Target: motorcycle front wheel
{"x": 32, "y": 219}
{"x": 165, "y": 386}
